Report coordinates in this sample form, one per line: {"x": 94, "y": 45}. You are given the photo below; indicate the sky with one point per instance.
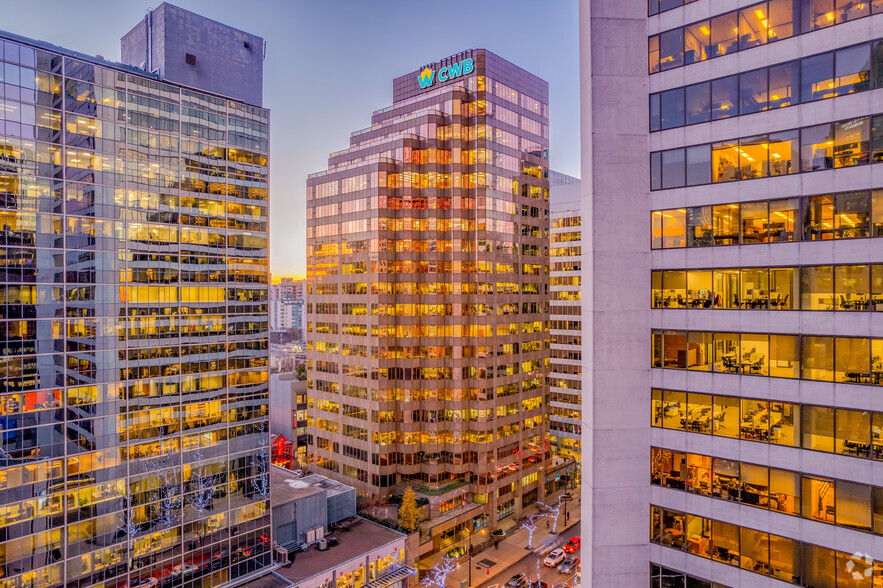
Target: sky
{"x": 330, "y": 64}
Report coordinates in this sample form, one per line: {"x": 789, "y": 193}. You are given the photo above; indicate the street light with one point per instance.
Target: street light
{"x": 470, "y": 549}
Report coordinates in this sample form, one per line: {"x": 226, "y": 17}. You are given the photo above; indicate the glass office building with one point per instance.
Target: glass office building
{"x": 133, "y": 398}
{"x": 427, "y": 292}
{"x": 757, "y": 192}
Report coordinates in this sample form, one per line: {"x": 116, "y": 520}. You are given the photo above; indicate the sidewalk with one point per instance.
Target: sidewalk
{"x": 513, "y": 548}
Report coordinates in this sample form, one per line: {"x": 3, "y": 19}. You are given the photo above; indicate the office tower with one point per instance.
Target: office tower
{"x": 427, "y": 292}
{"x": 565, "y": 328}
{"x": 734, "y": 179}
{"x": 134, "y": 398}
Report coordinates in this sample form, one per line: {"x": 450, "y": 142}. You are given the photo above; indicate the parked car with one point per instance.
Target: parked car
{"x": 554, "y": 558}
{"x": 149, "y": 582}
{"x": 538, "y": 584}
{"x": 518, "y": 581}
{"x": 572, "y": 545}
{"x": 569, "y": 565}
{"x": 185, "y": 570}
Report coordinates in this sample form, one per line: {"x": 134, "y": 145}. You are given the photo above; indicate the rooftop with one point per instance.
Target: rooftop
{"x": 360, "y": 538}
{"x": 288, "y": 486}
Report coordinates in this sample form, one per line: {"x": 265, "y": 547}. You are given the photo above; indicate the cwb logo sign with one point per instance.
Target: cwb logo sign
{"x": 427, "y": 77}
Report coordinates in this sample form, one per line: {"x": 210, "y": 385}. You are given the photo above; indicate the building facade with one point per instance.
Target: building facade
{"x": 748, "y": 141}
{"x": 427, "y": 294}
{"x": 287, "y": 288}
{"x": 288, "y": 417}
{"x": 286, "y": 313}
{"x": 565, "y": 328}
{"x": 134, "y": 391}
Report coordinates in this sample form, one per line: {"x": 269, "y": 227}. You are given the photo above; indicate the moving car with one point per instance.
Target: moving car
{"x": 569, "y": 565}
{"x": 518, "y": 581}
{"x": 573, "y": 545}
{"x": 554, "y": 558}
{"x": 149, "y": 582}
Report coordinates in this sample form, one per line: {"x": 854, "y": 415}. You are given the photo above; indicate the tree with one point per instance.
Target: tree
{"x": 438, "y": 574}
{"x": 408, "y": 513}
{"x": 301, "y": 372}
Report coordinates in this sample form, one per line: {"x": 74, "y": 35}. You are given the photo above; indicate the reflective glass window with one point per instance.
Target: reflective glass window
{"x": 818, "y": 224}
{"x": 754, "y": 217}
{"x": 877, "y": 63}
{"x": 725, "y": 224}
{"x": 785, "y": 556}
{"x": 783, "y": 287}
{"x": 726, "y": 543}
{"x": 697, "y": 41}
{"x": 754, "y": 153}
{"x": 819, "y": 563}
{"x": 852, "y": 361}
{"x": 699, "y": 290}
{"x": 852, "y": 215}
{"x": 697, "y": 103}
{"x": 816, "y": 14}
{"x": 699, "y": 417}
{"x": 653, "y": 53}
{"x": 783, "y": 16}
{"x": 753, "y": 91}
{"x": 698, "y": 165}
{"x": 847, "y": 10}
{"x": 655, "y": 123}
{"x": 852, "y": 66}
{"x": 817, "y": 287}
{"x": 699, "y": 231}
{"x": 852, "y": 287}
{"x": 852, "y": 142}
{"x": 725, "y": 34}
{"x": 673, "y": 168}
{"x": 725, "y": 161}
{"x": 818, "y": 358}
{"x": 674, "y": 289}
{"x": 784, "y": 153}
{"x": 755, "y": 550}
{"x": 725, "y": 419}
{"x": 674, "y": 413}
{"x": 671, "y": 49}
{"x": 755, "y": 426}
{"x": 655, "y": 170}
{"x": 699, "y": 349}
{"x": 724, "y": 97}
{"x": 784, "y": 356}
{"x": 672, "y": 108}
{"x": 784, "y": 424}
{"x": 783, "y": 84}
{"x": 817, "y": 431}
{"x": 877, "y": 139}
{"x": 783, "y": 215}
{"x": 726, "y": 288}
{"x": 753, "y": 23}
{"x": 817, "y": 147}
{"x": 853, "y": 432}
{"x": 674, "y": 228}
{"x": 817, "y": 77}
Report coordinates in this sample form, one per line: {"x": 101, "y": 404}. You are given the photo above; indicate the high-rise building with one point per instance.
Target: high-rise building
{"x": 427, "y": 293}
{"x": 134, "y": 394}
{"x": 287, "y": 288}
{"x": 733, "y": 270}
{"x": 565, "y": 327}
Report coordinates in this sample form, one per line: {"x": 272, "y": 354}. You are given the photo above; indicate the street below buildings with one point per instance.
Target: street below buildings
{"x": 532, "y": 562}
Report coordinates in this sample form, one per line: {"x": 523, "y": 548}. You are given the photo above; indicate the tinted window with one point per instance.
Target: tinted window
{"x": 724, "y": 97}
{"x": 784, "y": 84}
{"x": 654, "y": 112}
{"x": 697, "y": 99}
{"x": 753, "y": 91}
{"x": 816, "y": 148}
{"x": 698, "y": 165}
{"x": 671, "y": 49}
{"x": 673, "y": 168}
{"x": 724, "y": 38}
{"x": 672, "y": 108}
{"x": 853, "y": 69}
{"x": 816, "y": 77}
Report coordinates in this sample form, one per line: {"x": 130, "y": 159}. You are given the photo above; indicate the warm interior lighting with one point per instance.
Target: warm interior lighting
{"x": 829, "y": 16}
{"x": 705, "y": 30}
{"x": 759, "y": 13}
{"x": 774, "y": 97}
{"x": 776, "y": 155}
{"x": 829, "y": 142}
{"x": 736, "y": 30}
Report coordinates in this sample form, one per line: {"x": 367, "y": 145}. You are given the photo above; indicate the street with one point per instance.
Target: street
{"x": 528, "y": 566}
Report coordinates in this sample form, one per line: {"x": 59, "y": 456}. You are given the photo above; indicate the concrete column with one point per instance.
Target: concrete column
{"x": 615, "y": 204}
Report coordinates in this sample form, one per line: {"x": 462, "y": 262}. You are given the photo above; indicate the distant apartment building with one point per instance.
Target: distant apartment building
{"x": 565, "y": 327}
{"x": 286, "y": 313}
{"x": 427, "y": 293}
{"x": 287, "y": 289}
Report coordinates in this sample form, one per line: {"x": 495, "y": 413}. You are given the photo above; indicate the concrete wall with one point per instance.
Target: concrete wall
{"x": 616, "y": 280}
{"x": 293, "y": 519}
{"x": 283, "y": 401}
{"x": 224, "y": 65}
